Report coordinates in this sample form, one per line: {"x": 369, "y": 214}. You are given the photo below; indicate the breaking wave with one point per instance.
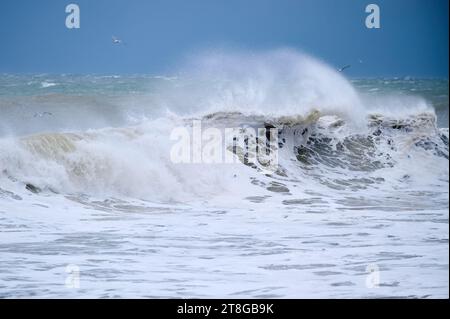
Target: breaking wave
{"x": 330, "y": 138}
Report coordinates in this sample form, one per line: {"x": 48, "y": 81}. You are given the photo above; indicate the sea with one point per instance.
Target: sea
{"x": 93, "y": 204}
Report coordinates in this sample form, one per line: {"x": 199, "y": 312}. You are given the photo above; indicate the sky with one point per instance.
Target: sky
{"x": 159, "y": 34}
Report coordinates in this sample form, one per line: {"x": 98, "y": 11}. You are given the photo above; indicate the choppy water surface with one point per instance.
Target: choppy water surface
{"x": 91, "y": 204}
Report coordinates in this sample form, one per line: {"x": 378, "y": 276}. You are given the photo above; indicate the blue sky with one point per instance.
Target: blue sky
{"x": 413, "y": 39}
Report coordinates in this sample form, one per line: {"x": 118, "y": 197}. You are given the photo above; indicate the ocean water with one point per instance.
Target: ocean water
{"x": 93, "y": 205}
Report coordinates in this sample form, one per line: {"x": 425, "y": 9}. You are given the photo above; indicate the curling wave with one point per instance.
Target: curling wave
{"x": 330, "y": 137}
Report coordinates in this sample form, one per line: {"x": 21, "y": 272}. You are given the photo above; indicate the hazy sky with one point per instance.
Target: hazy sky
{"x": 413, "y": 39}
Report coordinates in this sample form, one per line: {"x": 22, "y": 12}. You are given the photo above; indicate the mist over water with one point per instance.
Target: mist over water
{"x": 85, "y": 167}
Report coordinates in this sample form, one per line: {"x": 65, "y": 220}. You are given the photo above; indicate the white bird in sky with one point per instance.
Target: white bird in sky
{"x": 116, "y": 40}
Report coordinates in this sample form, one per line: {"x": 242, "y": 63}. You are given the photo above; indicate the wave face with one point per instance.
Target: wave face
{"x": 319, "y": 151}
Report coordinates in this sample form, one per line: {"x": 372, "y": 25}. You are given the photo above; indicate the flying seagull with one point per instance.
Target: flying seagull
{"x": 116, "y": 40}
{"x": 344, "y": 67}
